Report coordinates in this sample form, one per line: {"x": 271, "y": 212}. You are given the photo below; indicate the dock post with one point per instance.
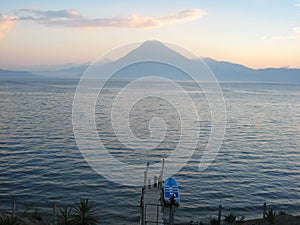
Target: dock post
{"x": 220, "y": 214}
{"x": 145, "y": 178}
{"x": 171, "y": 216}
{"x": 54, "y": 214}
{"x": 14, "y": 207}
{"x": 160, "y": 178}
{"x": 146, "y": 174}
{"x": 155, "y": 182}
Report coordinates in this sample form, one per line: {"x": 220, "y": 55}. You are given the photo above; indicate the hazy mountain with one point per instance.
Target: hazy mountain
{"x": 64, "y": 71}
{"x": 46, "y": 67}
{"x": 16, "y": 74}
{"x": 225, "y": 71}
{"x": 155, "y": 50}
{"x": 71, "y": 72}
{"x": 148, "y": 54}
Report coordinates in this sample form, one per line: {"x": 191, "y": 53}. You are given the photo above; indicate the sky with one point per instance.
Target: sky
{"x": 255, "y": 33}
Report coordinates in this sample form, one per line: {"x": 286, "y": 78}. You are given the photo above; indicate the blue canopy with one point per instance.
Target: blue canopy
{"x": 171, "y": 192}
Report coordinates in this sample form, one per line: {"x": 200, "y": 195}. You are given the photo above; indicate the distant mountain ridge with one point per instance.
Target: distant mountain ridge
{"x": 224, "y": 71}
{"x": 16, "y": 74}
{"x": 72, "y": 72}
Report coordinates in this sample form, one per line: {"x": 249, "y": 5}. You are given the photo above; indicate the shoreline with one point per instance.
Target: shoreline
{"x": 285, "y": 219}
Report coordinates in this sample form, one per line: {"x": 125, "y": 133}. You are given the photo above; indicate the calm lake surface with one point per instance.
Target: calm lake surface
{"x": 258, "y": 161}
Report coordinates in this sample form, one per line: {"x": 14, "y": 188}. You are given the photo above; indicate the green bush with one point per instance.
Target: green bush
{"x": 282, "y": 213}
{"x": 31, "y": 211}
{"x": 214, "y": 222}
{"x": 8, "y": 220}
{"x": 230, "y": 218}
{"x": 84, "y": 213}
{"x": 270, "y": 216}
{"x": 65, "y": 216}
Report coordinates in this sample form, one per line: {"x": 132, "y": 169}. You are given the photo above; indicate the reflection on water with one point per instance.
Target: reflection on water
{"x": 259, "y": 160}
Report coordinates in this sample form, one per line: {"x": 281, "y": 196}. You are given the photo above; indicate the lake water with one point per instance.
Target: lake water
{"x": 259, "y": 160}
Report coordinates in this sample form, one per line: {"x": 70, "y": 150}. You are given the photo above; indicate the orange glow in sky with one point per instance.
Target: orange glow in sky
{"x": 257, "y": 34}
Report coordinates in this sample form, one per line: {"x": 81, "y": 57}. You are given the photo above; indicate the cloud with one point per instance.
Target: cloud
{"x": 71, "y": 18}
{"x": 294, "y": 34}
{"x": 296, "y": 30}
{"x": 297, "y": 5}
{"x": 41, "y": 15}
{"x": 6, "y": 23}
{"x": 263, "y": 37}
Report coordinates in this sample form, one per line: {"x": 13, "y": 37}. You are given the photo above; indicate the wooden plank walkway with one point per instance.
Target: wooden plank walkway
{"x": 152, "y": 205}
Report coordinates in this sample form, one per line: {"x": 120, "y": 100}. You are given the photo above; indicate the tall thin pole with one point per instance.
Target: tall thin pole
{"x": 146, "y": 174}
{"x": 172, "y": 212}
{"x": 160, "y": 178}
{"x": 264, "y": 210}
{"x": 220, "y": 214}
{"x": 14, "y": 207}
{"x": 54, "y": 214}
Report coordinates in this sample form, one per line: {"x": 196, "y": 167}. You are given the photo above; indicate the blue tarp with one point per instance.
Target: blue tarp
{"x": 171, "y": 191}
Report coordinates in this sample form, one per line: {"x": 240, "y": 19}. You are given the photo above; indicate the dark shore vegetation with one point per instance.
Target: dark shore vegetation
{"x": 83, "y": 212}
{"x": 271, "y": 218}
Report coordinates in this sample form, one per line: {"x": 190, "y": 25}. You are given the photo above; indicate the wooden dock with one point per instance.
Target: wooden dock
{"x": 152, "y": 206}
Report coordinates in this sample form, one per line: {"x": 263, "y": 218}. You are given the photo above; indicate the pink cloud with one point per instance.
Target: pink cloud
{"x": 71, "y": 18}
{"x": 50, "y": 14}
{"x": 6, "y": 23}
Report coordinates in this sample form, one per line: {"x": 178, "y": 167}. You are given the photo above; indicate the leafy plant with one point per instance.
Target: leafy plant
{"x": 233, "y": 219}
{"x": 36, "y": 214}
{"x": 84, "y": 213}
{"x": 65, "y": 216}
{"x": 282, "y": 213}
{"x": 196, "y": 223}
{"x": 230, "y": 218}
{"x": 8, "y": 220}
{"x": 214, "y": 222}
{"x": 270, "y": 216}
{"x": 31, "y": 211}
{"x": 28, "y": 207}
{"x": 240, "y": 220}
